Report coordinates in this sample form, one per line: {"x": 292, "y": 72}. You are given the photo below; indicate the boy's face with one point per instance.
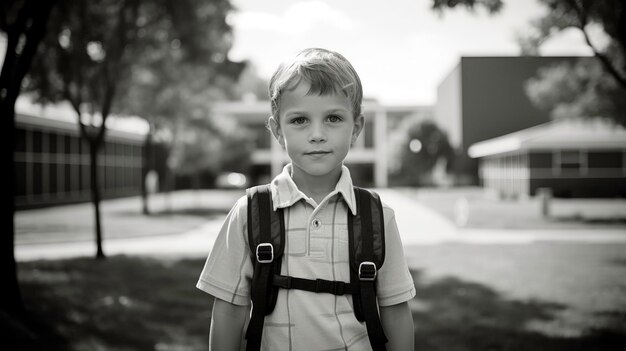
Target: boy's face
{"x": 316, "y": 130}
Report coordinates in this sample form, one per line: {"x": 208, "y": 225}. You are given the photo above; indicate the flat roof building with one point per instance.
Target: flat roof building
{"x": 572, "y": 158}
{"x": 483, "y": 98}
{"x": 52, "y": 161}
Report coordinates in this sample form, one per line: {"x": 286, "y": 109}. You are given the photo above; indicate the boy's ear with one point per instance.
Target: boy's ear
{"x": 276, "y": 131}
{"x": 359, "y": 123}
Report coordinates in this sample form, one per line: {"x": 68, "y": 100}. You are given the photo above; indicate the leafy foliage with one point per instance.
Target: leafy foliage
{"x": 417, "y": 148}
{"x": 205, "y": 147}
{"x": 95, "y": 46}
{"x": 575, "y": 90}
{"x": 94, "y": 51}
{"x": 492, "y": 6}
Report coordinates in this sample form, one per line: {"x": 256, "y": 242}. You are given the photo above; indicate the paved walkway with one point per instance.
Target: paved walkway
{"x": 421, "y": 225}
{"x": 189, "y": 229}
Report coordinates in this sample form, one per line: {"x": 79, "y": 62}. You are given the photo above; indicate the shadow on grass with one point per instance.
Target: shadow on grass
{"x": 132, "y": 303}
{"x": 618, "y": 262}
{"x": 194, "y": 211}
{"x": 454, "y": 315}
{"x": 121, "y": 303}
{"x": 610, "y": 221}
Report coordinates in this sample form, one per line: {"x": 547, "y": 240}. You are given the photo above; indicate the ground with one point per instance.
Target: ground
{"x": 532, "y": 295}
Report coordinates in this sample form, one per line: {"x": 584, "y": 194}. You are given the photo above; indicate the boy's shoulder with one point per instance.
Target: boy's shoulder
{"x": 240, "y": 208}
{"x": 388, "y": 211}
{"x": 387, "y": 208}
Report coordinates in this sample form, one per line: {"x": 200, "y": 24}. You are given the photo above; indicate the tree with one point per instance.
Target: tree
{"x": 575, "y": 89}
{"x": 23, "y": 23}
{"x": 581, "y": 15}
{"x": 81, "y": 61}
{"x": 206, "y": 148}
{"x": 92, "y": 47}
{"x": 171, "y": 93}
{"x": 418, "y": 147}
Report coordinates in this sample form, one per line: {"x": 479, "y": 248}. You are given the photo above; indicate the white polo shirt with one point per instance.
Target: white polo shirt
{"x": 316, "y": 247}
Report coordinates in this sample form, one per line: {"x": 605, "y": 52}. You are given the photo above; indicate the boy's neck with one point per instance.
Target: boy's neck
{"x": 316, "y": 187}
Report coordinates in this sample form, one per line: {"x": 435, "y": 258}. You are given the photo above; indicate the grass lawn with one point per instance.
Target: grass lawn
{"x": 121, "y": 303}
{"x": 469, "y": 297}
{"x": 540, "y": 296}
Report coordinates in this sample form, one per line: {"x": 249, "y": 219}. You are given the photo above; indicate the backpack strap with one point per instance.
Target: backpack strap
{"x": 266, "y": 239}
{"x": 366, "y": 233}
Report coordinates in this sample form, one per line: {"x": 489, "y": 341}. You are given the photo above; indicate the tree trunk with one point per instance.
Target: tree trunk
{"x": 30, "y": 25}
{"x": 147, "y": 165}
{"x": 95, "y": 195}
{"x": 169, "y": 187}
{"x": 11, "y": 302}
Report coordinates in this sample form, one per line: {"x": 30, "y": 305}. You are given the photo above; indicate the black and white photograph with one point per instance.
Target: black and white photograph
{"x": 194, "y": 175}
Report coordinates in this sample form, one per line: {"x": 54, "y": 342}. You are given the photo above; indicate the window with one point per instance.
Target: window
{"x": 37, "y": 178}
{"x": 67, "y": 144}
{"x": 85, "y": 177}
{"x": 52, "y": 143}
{"x": 52, "y": 179}
{"x": 573, "y": 160}
{"x": 605, "y": 159}
{"x": 20, "y": 140}
{"x": 37, "y": 140}
{"x": 68, "y": 178}
{"x": 20, "y": 178}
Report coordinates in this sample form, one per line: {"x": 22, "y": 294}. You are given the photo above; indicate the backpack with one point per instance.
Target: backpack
{"x": 266, "y": 238}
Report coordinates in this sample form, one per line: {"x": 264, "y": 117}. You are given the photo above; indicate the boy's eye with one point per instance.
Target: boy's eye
{"x": 334, "y": 118}
{"x": 298, "y": 120}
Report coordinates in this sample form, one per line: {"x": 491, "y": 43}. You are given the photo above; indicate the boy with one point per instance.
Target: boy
{"x": 316, "y": 116}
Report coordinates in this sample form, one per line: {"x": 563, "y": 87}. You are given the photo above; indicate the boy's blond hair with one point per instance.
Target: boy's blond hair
{"x": 326, "y": 71}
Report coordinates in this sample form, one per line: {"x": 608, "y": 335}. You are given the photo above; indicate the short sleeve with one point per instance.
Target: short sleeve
{"x": 228, "y": 270}
{"x": 395, "y": 284}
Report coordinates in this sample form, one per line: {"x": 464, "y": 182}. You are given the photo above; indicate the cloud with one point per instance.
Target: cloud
{"x": 299, "y": 18}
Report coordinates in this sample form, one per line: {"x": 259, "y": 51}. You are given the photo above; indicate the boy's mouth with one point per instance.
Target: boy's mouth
{"x": 317, "y": 152}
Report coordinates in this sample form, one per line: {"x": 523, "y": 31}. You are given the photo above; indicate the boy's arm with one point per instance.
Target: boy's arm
{"x": 227, "y": 323}
{"x": 397, "y": 323}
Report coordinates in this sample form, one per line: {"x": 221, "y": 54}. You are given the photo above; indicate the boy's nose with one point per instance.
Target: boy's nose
{"x": 317, "y": 134}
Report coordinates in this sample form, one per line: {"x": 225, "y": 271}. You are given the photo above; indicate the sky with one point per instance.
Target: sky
{"x": 402, "y": 49}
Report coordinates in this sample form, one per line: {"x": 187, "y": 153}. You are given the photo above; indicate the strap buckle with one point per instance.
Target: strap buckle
{"x": 367, "y": 271}
{"x": 265, "y": 253}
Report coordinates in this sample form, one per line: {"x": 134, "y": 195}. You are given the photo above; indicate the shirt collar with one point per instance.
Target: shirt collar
{"x": 285, "y": 192}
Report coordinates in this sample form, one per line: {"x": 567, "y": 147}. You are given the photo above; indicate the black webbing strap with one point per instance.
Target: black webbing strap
{"x": 335, "y": 287}
{"x": 367, "y": 283}
{"x": 354, "y": 278}
{"x": 263, "y": 271}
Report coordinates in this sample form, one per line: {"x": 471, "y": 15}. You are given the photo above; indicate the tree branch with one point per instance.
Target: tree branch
{"x": 14, "y": 30}
{"x": 4, "y": 17}
{"x": 34, "y": 34}
{"x": 606, "y": 62}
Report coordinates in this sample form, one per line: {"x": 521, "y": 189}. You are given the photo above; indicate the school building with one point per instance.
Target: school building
{"x": 367, "y": 160}
{"x": 52, "y": 162}
{"x": 571, "y": 158}
{"x": 483, "y": 98}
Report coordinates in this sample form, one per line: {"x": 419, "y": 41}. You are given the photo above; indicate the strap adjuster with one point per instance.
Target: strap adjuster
{"x": 367, "y": 271}
{"x": 265, "y": 253}
{"x": 283, "y": 281}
